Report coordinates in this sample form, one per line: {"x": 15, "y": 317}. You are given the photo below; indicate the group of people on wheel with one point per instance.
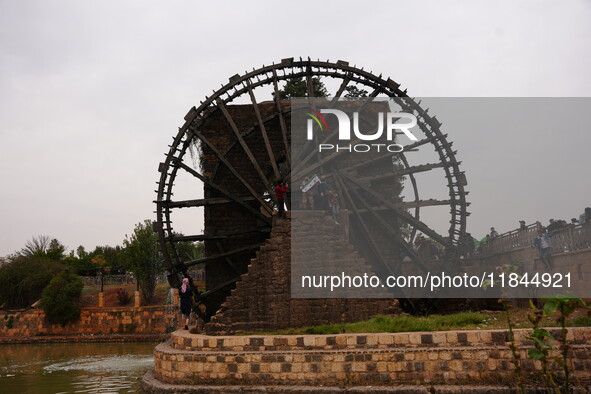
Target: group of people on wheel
{"x": 314, "y": 194}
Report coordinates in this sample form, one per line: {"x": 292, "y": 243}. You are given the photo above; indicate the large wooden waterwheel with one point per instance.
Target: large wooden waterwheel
{"x": 236, "y": 144}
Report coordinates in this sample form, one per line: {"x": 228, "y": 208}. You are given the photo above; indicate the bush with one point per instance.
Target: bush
{"x": 143, "y": 257}
{"x": 60, "y": 299}
{"x": 23, "y": 279}
{"x": 123, "y": 296}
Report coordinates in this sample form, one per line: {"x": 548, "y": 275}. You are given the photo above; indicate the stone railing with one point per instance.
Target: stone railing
{"x": 567, "y": 239}
{"x": 109, "y": 280}
{"x": 197, "y": 275}
{"x": 571, "y": 238}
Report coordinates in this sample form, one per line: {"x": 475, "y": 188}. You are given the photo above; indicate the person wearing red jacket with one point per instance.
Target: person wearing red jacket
{"x": 280, "y": 191}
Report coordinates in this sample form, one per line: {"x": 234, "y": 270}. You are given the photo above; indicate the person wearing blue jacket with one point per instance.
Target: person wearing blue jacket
{"x": 542, "y": 242}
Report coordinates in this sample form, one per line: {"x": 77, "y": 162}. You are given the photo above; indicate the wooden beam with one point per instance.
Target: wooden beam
{"x": 281, "y": 118}
{"x": 199, "y": 202}
{"x": 415, "y": 190}
{"x": 207, "y": 293}
{"x": 299, "y": 172}
{"x": 230, "y": 195}
{"x": 227, "y": 259}
{"x": 389, "y": 155}
{"x": 309, "y": 82}
{"x": 209, "y": 259}
{"x": 297, "y": 168}
{"x": 263, "y": 130}
{"x": 234, "y": 171}
{"x": 341, "y": 89}
{"x": 205, "y": 237}
{"x": 411, "y": 205}
{"x": 394, "y": 233}
{"x": 245, "y": 147}
{"x": 404, "y": 171}
{"x": 398, "y": 212}
{"x": 366, "y": 231}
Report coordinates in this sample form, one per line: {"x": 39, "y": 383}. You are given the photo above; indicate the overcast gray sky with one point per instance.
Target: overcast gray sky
{"x": 92, "y": 92}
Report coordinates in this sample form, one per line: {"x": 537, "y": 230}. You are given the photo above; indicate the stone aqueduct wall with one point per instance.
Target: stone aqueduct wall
{"x": 577, "y": 262}
{"x": 123, "y": 320}
{"x": 386, "y": 358}
{"x": 262, "y": 300}
{"x": 231, "y": 217}
{"x": 580, "y": 260}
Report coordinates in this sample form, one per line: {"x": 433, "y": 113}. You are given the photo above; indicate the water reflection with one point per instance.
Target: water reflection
{"x": 74, "y": 368}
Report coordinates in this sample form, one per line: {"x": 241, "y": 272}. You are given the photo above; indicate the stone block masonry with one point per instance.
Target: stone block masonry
{"x": 262, "y": 298}
{"x": 93, "y": 321}
{"x": 233, "y": 218}
{"x": 453, "y": 357}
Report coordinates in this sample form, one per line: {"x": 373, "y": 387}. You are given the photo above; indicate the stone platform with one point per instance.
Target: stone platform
{"x": 354, "y": 360}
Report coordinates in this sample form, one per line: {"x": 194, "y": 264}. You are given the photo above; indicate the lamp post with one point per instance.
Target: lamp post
{"x": 100, "y": 262}
{"x": 103, "y": 271}
{"x": 137, "y": 298}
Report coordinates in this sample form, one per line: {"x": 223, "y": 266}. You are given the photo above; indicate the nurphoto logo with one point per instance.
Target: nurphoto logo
{"x": 388, "y": 125}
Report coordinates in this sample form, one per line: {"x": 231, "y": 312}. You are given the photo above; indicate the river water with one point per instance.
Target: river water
{"x": 74, "y": 367}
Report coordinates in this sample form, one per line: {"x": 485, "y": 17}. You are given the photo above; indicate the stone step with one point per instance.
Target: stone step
{"x": 433, "y": 339}
{"x": 263, "y": 293}
{"x": 151, "y": 385}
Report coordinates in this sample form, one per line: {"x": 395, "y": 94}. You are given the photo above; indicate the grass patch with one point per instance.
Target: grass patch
{"x": 580, "y": 321}
{"x": 402, "y": 323}
{"x": 484, "y": 320}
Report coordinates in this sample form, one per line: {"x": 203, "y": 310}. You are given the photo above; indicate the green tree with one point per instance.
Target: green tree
{"x": 101, "y": 267}
{"x": 81, "y": 252}
{"x": 190, "y": 250}
{"x": 296, "y": 87}
{"x": 56, "y": 251}
{"x": 354, "y": 92}
{"x": 23, "y": 279}
{"x": 36, "y": 246}
{"x": 80, "y": 262}
{"x": 80, "y": 266}
{"x": 114, "y": 257}
{"x": 142, "y": 254}
{"x": 43, "y": 246}
{"x": 61, "y": 298}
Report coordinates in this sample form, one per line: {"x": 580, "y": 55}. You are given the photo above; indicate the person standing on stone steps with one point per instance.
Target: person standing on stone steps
{"x": 280, "y": 191}
{"x": 306, "y": 199}
{"x": 333, "y": 202}
{"x": 322, "y": 194}
{"x": 542, "y": 243}
{"x": 186, "y": 297}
